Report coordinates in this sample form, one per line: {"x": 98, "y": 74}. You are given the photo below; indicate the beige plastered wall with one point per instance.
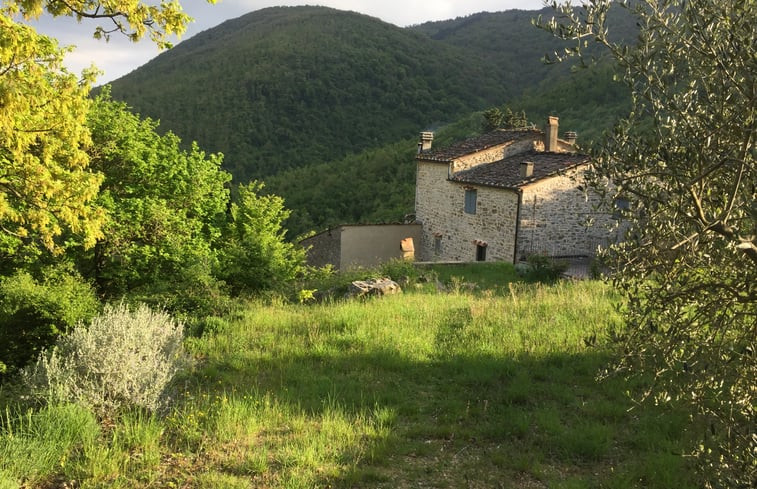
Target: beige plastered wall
{"x": 371, "y": 245}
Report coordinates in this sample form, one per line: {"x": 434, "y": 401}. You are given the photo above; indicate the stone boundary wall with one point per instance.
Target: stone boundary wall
{"x": 324, "y": 248}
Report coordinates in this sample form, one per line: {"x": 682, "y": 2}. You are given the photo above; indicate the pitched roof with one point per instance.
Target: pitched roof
{"x": 506, "y": 173}
{"x": 479, "y": 143}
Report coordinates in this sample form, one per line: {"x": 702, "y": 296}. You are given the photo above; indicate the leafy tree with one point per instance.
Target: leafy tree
{"x": 256, "y": 255}
{"x": 505, "y": 118}
{"x": 45, "y": 187}
{"x": 35, "y": 310}
{"x": 684, "y": 159}
{"x": 493, "y": 118}
{"x": 132, "y": 18}
{"x": 165, "y": 206}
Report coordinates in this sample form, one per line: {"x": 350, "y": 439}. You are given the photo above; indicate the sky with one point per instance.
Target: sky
{"x": 120, "y": 56}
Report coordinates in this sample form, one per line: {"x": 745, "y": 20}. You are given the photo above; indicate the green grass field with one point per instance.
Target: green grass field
{"x": 488, "y": 389}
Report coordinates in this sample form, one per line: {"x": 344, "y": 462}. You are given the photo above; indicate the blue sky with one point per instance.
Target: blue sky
{"x": 119, "y": 56}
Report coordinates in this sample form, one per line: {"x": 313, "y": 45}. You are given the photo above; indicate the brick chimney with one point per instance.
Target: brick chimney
{"x": 550, "y": 138}
{"x": 570, "y": 137}
{"x": 526, "y": 169}
{"x": 425, "y": 143}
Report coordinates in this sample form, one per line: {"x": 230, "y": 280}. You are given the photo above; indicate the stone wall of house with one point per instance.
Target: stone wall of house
{"x": 553, "y": 218}
{"x": 449, "y": 233}
{"x": 496, "y": 153}
{"x": 489, "y": 155}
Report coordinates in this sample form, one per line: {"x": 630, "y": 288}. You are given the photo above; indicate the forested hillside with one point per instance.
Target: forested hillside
{"x": 325, "y": 105}
{"x": 284, "y": 87}
{"x": 378, "y": 184}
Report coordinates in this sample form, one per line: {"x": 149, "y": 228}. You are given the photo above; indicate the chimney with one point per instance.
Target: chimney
{"x": 550, "y": 138}
{"x": 526, "y": 169}
{"x": 425, "y": 143}
{"x": 570, "y": 137}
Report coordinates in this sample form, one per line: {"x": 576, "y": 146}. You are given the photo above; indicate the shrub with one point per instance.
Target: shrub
{"x": 256, "y": 256}
{"x": 187, "y": 294}
{"x": 33, "y": 313}
{"x": 400, "y": 270}
{"x": 543, "y": 268}
{"x": 124, "y": 358}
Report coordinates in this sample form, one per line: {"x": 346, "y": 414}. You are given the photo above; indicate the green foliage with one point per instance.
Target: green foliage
{"x": 46, "y": 190}
{"x": 299, "y": 85}
{"x": 372, "y": 186}
{"x": 35, "y": 311}
{"x": 131, "y": 18}
{"x": 123, "y": 358}
{"x": 542, "y": 268}
{"x": 495, "y": 118}
{"x": 256, "y": 256}
{"x": 684, "y": 158}
{"x": 165, "y": 206}
{"x": 376, "y": 185}
{"x": 399, "y": 270}
{"x": 589, "y": 101}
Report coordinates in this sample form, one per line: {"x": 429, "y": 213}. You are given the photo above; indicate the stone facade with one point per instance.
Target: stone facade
{"x": 451, "y": 234}
{"x": 554, "y": 215}
{"x": 516, "y": 213}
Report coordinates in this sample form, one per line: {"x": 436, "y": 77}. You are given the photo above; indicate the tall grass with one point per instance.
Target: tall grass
{"x": 440, "y": 389}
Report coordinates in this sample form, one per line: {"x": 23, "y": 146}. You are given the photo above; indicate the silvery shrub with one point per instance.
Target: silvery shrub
{"x": 123, "y": 358}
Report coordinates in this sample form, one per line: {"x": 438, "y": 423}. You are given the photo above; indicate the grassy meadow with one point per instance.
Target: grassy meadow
{"x": 490, "y": 388}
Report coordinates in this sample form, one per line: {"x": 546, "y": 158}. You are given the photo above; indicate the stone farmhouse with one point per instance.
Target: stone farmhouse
{"x": 505, "y": 195}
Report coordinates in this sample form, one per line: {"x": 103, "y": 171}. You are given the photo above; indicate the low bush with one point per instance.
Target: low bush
{"x": 541, "y": 268}
{"x": 123, "y": 358}
{"x": 400, "y": 270}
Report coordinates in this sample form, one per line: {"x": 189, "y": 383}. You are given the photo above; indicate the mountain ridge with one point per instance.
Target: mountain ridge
{"x": 256, "y": 87}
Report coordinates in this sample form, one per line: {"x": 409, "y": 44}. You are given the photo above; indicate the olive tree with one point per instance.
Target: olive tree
{"x": 683, "y": 163}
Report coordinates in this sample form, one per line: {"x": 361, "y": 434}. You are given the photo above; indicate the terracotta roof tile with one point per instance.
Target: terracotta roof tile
{"x": 472, "y": 145}
{"x": 506, "y": 173}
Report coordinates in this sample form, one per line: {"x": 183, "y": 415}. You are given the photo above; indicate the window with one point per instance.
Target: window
{"x": 622, "y": 206}
{"x": 480, "y": 252}
{"x": 470, "y": 200}
{"x": 437, "y": 245}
